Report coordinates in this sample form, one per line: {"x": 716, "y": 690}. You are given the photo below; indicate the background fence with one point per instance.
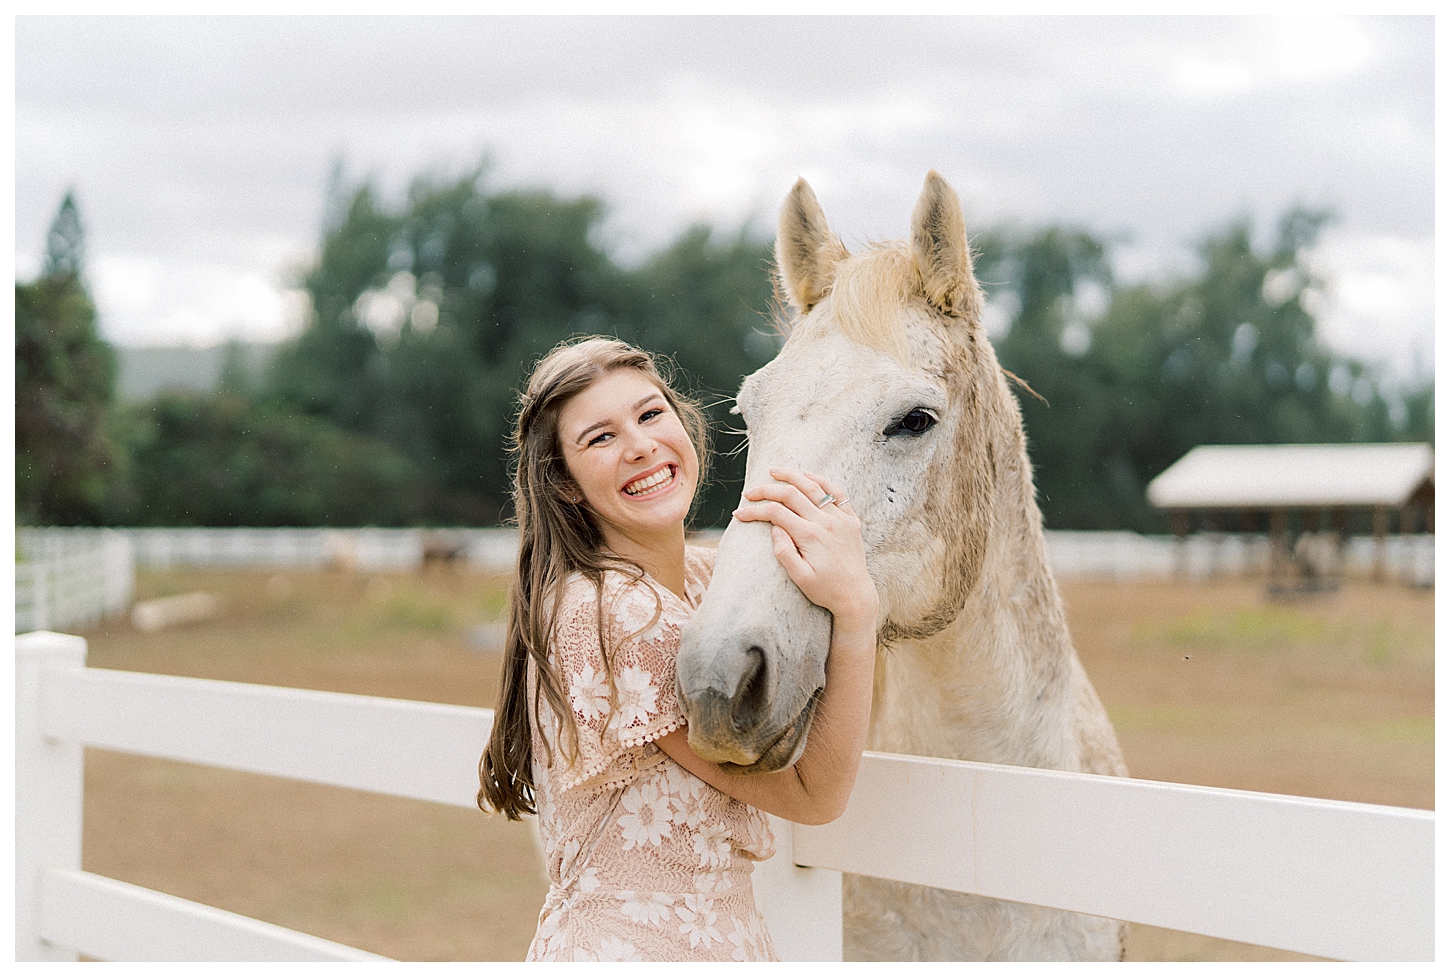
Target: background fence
{"x": 73, "y": 577}
{"x": 1350, "y": 881}
{"x": 1112, "y": 555}
{"x": 70, "y": 578}
{"x": 371, "y": 549}
{"x": 1126, "y": 556}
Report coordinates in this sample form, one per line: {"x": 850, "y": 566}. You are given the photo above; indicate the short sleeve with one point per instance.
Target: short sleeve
{"x": 642, "y": 631}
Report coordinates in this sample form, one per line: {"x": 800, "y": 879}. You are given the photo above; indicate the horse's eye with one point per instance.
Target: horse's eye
{"x": 918, "y": 421}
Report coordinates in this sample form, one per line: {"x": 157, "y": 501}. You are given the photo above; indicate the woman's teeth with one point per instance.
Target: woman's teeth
{"x": 653, "y": 482}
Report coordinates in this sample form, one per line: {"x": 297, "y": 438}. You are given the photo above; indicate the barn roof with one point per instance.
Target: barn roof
{"x": 1214, "y": 476}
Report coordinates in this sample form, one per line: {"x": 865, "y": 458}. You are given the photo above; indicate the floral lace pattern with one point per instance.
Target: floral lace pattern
{"x": 645, "y": 860}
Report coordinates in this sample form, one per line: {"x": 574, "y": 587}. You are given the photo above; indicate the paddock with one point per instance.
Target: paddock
{"x": 394, "y": 604}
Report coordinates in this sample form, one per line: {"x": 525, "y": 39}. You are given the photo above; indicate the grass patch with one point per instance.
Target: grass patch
{"x": 493, "y": 601}
{"x": 402, "y": 605}
{"x": 411, "y": 611}
{"x": 1167, "y": 717}
{"x": 376, "y": 897}
{"x": 1247, "y": 627}
{"x": 1377, "y": 642}
{"x": 1418, "y": 730}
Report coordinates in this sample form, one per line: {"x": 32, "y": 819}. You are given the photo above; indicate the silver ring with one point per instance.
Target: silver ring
{"x": 826, "y": 501}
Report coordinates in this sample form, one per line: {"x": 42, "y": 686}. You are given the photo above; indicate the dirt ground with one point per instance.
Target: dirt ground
{"x": 1209, "y": 684}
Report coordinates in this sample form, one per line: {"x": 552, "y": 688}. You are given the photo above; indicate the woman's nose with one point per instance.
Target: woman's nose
{"x": 637, "y": 444}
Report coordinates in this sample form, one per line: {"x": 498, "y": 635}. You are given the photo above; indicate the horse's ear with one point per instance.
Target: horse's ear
{"x": 806, "y": 251}
{"x": 939, "y": 248}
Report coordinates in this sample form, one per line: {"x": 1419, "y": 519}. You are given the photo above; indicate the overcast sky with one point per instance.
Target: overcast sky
{"x": 199, "y": 148}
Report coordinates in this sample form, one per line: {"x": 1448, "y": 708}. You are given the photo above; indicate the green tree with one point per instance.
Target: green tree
{"x": 222, "y": 460}
{"x": 427, "y": 317}
{"x": 236, "y": 375}
{"x": 66, "y": 467}
{"x": 1227, "y": 355}
{"x": 1047, "y": 278}
{"x": 1419, "y": 420}
{"x": 330, "y": 370}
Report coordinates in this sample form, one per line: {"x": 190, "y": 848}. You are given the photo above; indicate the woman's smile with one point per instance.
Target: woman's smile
{"x": 654, "y": 479}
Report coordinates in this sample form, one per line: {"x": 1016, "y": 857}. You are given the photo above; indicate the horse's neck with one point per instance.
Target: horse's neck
{"x": 996, "y": 684}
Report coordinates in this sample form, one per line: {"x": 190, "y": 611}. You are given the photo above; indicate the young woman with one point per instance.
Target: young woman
{"x": 649, "y": 847}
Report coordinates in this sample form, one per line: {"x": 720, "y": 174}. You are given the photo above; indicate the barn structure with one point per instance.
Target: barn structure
{"x": 1307, "y": 498}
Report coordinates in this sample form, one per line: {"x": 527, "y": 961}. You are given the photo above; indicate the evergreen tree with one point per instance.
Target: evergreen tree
{"x": 66, "y": 468}
{"x": 65, "y": 242}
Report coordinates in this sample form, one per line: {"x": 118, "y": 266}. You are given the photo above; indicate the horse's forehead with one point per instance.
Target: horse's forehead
{"x": 826, "y": 355}
{"x": 806, "y": 371}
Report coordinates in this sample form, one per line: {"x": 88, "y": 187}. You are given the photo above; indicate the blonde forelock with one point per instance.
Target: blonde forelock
{"x": 869, "y": 299}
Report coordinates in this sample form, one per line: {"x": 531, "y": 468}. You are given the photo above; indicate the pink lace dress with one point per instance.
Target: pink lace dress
{"x": 645, "y": 860}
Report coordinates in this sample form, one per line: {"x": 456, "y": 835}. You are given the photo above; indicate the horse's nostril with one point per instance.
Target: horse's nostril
{"x": 750, "y": 695}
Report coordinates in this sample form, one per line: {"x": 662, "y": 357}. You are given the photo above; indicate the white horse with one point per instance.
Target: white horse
{"x": 888, "y": 386}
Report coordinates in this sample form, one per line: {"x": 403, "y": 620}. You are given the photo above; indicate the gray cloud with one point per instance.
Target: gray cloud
{"x": 207, "y": 140}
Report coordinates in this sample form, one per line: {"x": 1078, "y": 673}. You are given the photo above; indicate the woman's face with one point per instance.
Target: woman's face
{"x": 629, "y": 455}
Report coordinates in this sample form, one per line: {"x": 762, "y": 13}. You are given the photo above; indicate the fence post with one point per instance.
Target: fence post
{"x": 801, "y": 906}
{"x": 49, "y": 788}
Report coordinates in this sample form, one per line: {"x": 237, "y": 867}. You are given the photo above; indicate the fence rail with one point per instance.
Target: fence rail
{"x": 1112, "y": 555}
{"x": 1125, "y": 556}
{"x": 68, "y": 578}
{"x": 110, "y": 920}
{"x": 1328, "y": 878}
{"x": 1348, "y": 880}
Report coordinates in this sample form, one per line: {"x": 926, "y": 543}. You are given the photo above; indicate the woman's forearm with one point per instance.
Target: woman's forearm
{"x": 826, "y": 770}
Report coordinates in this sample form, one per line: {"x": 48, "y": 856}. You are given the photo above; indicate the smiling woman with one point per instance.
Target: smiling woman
{"x": 634, "y": 464}
{"x": 648, "y": 846}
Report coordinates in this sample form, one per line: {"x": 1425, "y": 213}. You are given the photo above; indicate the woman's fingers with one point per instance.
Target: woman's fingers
{"x": 802, "y": 492}
{"x": 840, "y": 499}
{"x": 815, "y": 488}
{"x": 798, "y": 494}
{"x": 819, "y": 546}
{"x": 782, "y": 515}
{"x": 790, "y": 557}
{"x": 810, "y": 488}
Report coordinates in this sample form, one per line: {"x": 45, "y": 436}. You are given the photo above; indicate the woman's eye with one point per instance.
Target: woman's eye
{"x": 650, "y": 414}
{"x": 917, "y": 421}
{"x": 598, "y": 439}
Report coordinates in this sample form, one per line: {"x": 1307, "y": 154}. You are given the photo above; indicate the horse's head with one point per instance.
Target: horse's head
{"x": 888, "y": 387}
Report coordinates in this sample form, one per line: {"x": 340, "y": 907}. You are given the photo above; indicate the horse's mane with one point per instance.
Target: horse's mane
{"x": 869, "y": 297}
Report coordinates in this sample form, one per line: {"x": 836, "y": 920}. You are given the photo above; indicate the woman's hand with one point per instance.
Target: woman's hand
{"x": 819, "y": 545}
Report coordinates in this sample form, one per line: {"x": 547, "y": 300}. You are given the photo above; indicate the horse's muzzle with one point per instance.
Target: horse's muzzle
{"x": 787, "y": 747}
{"x": 752, "y": 659}
{"x": 748, "y": 744}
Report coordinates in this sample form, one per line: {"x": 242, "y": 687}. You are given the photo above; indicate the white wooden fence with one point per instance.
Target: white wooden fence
{"x": 1118, "y": 556}
{"x": 1350, "y": 881}
{"x": 368, "y": 549}
{"x": 1123, "y": 556}
{"x": 66, "y": 578}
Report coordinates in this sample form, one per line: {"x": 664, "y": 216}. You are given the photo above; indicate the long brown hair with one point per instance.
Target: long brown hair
{"x": 556, "y": 538}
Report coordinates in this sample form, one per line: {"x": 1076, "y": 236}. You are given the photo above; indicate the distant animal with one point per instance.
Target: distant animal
{"x": 888, "y": 386}
{"x": 443, "y": 550}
